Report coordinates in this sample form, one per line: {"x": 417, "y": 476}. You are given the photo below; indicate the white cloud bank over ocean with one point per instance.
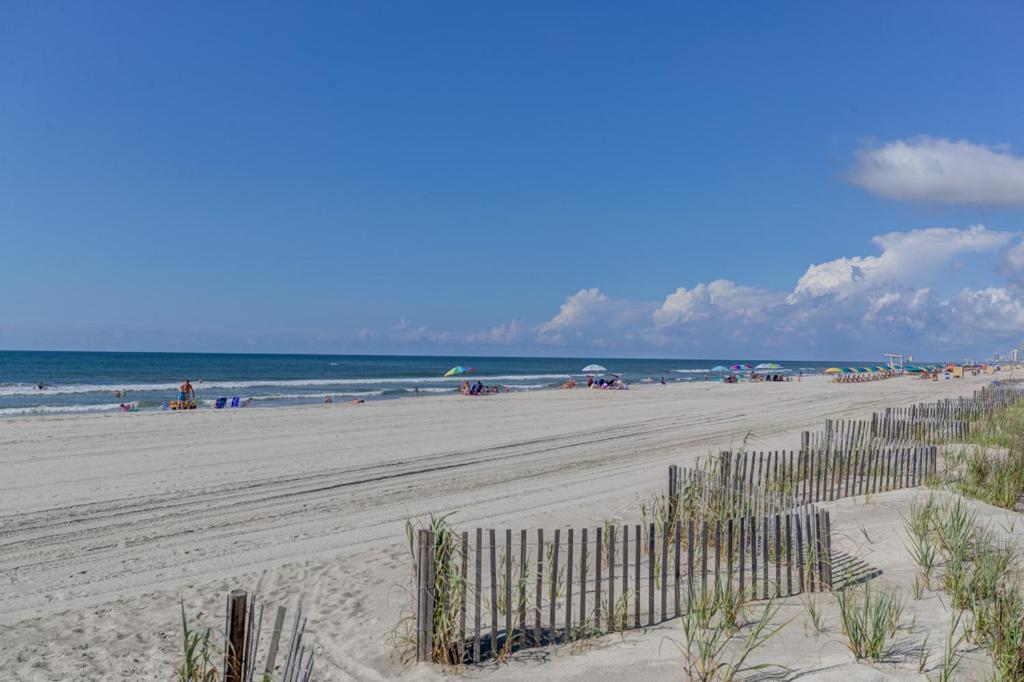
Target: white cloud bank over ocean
{"x": 899, "y": 299}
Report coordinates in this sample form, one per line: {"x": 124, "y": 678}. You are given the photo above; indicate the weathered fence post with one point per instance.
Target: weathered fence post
{"x": 828, "y": 549}
{"x": 421, "y": 582}
{"x": 275, "y": 641}
{"x": 673, "y": 490}
{"x": 234, "y": 653}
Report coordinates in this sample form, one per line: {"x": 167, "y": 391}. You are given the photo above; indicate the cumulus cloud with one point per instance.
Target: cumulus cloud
{"x": 904, "y": 297}
{"x": 589, "y": 310}
{"x": 905, "y": 257}
{"x": 1012, "y": 263}
{"x": 991, "y": 309}
{"x": 719, "y": 298}
{"x": 937, "y": 169}
{"x": 891, "y": 299}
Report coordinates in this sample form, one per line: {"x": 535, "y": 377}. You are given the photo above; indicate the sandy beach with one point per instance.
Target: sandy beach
{"x": 107, "y": 521}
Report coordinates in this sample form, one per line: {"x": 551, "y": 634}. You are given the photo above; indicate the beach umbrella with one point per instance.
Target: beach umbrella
{"x": 851, "y": 370}
{"x": 833, "y": 370}
{"x": 593, "y": 368}
{"x": 719, "y": 368}
{"x": 769, "y": 365}
{"x": 457, "y": 370}
{"x": 866, "y": 369}
{"x": 740, "y": 368}
{"x": 880, "y": 368}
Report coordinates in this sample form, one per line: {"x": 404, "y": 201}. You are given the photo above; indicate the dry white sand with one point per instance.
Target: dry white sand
{"x": 106, "y": 521}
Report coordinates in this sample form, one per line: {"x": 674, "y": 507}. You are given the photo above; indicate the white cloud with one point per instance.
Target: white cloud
{"x": 719, "y": 298}
{"x": 578, "y": 310}
{"x": 589, "y": 312}
{"x": 992, "y": 309}
{"x": 407, "y": 332}
{"x": 906, "y": 297}
{"x": 937, "y": 169}
{"x": 849, "y": 305}
{"x": 905, "y": 258}
{"x": 500, "y": 334}
{"x": 1012, "y": 264}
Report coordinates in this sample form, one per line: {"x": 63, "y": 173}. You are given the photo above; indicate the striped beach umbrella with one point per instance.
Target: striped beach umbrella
{"x": 457, "y": 370}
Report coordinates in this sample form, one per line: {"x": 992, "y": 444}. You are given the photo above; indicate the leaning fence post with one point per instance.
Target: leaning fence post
{"x": 234, "y": 654}
{"x": 275, "y": 640}
{"x": 673, "y": 489}
{"x": 421, "y": 582}
{"x": 828, "y": 549}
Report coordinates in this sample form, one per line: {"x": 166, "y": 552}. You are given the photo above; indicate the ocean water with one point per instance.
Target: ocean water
{"x": 85, "y": 382}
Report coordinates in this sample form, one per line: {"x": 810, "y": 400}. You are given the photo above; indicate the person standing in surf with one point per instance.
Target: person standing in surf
{"x": 186, "y": 392}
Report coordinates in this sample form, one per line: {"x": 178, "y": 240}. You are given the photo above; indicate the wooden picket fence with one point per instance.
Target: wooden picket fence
{"x": 243, "y": 626}
{"x": 745, "y": 522}
{"x": 537, "y": 588}
{"x": 943, "y": 421}
{"x": 744, "y": 483}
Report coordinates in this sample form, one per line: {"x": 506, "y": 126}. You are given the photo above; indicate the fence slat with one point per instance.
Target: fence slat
{"x": 650, "y": 574}
{"x": 611, "y": 579}
{"x": 478, "y": 592}
{"x": 508, "y": 588}
{"x": 491, "y": 536}
{"x": 552, "y": 625}
{"x": 636, "y": 576}
{"x": 523, "y": 568}
{"x": 584, "y": 550}
{"x": 568, "y": 585}
{"x": 764, "y": 547}
{"x": 598, "y": 556}
{"x": 789, "y": 554}
{"x": 625, "y": 576}
{"x": 539, "y": 594}
{"x": 778, "y": 556}
{"x": 664, "y": 571}
{"x": 743, "y": 552}
{"x": 676, "y": 567}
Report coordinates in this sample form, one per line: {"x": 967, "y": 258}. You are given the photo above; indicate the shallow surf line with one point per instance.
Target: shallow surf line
{"x": 59, "y": 389}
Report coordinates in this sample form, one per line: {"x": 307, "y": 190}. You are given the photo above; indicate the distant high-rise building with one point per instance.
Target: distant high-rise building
{"x": 1014, "y": 355}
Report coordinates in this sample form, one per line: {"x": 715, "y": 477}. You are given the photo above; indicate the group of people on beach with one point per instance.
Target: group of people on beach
{"x": 613, "y": 382}
{"x": 769, "y": 377}
{"x": 862, "y": 377}
{"x": 478, "y": 388}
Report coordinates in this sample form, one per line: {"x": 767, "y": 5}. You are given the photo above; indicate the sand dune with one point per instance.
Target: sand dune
{"x": 107, "y": 520}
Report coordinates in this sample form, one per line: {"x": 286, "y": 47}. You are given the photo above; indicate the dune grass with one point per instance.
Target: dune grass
{"x": 711, "y": 647}
{"x": 870, "y": 618}
{"x": 982, "y": 575}
{"x": 991, "y": 463}
{"x": 198, "y": 653}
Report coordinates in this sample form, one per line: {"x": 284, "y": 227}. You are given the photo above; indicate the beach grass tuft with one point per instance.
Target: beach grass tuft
{"x": 707, "y": 635}
{"x": 870, "y": 618}
{"x": 198, "y": 653}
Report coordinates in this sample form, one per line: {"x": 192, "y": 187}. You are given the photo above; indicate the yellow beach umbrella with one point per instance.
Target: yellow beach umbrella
{"x": 833, "y": 370}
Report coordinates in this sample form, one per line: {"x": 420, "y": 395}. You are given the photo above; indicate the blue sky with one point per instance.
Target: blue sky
{"x": 549, "y": 178}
